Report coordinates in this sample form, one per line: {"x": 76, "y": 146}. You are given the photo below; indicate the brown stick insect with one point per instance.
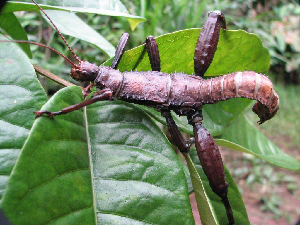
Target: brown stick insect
{"x": 182, "y": 93}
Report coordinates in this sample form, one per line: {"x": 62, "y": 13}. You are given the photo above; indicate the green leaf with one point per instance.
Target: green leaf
{"x": 233, "y": 46}
{"x": 70, "y": 24}
{"x": 177, "y": 53}
{"x": 21, "y": 94}
{"x": 235, "y": 198}
{"x": 111, "y": 163}
{"x": 11, "y": 26}
{"x": 207, "y": 214}
{"x": 104, "y": 7}
{"x": 187, "y": 177}
{"x": 242, "y": 136}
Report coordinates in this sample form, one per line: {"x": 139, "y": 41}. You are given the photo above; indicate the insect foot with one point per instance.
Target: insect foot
{"x": 41, "y": 112}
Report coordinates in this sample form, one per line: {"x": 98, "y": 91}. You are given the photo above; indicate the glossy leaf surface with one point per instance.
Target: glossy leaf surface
{"x": 217, "y": 117}
{"x": 113, "y": 157}
{"x": 177, "y": 52}
{"x": 111, "y": 163}
{"x": 250, "y": 140}
{"x": 11, "y": 26}
{"x": 21, "y": 94}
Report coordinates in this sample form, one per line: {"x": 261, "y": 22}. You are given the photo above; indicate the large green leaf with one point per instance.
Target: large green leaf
{"x": 233, "y": 46}
{"x": 21, "y": 94}
{"x": 242, "y": 136}
{"x": 103, "y": 7}
{"x": 177, "y": 52}
{"x": 111, "y": 163}
{"x": 216, "y": 116}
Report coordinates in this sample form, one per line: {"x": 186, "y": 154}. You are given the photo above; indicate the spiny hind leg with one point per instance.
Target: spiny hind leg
{"x": 211, "y": 161}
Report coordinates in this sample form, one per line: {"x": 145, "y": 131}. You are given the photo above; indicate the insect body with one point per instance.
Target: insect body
{"x": 182, "y": 93}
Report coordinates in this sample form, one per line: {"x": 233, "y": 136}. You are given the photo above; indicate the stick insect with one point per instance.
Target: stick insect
{"x": 182, "y": 93}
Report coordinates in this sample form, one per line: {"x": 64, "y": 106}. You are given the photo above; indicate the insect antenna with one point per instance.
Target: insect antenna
{"x": 45, "y": 46}
{"x": 59, "y": 33}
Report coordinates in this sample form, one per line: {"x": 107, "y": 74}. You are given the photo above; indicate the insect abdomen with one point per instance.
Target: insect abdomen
{"x": 247, "y": 84}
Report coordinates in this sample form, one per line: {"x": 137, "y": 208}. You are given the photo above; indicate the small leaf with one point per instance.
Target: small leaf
{"x": 70, "y": 24}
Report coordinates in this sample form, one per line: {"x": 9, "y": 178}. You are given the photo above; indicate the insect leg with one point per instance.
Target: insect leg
{"x": 153, "y": 53}
{"x": 106, "y": 94}
{"x": 87, "y": 90}
{"x": 208, "y": 41}
{"x": 176, "y": 135}
{"x": 120, "y": 50}
{"x": 211, "y": 162}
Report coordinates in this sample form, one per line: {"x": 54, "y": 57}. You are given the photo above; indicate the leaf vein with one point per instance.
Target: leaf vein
{"x": 48, "y": 181}
{"x": 78, "y": 210}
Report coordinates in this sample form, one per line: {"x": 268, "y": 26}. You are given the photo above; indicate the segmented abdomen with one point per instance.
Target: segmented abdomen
{"x": 247, "y": 84}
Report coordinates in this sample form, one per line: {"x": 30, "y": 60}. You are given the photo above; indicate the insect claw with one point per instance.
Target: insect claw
{"x": 41, "y": 112}
{"x": 87, "y": 90}
{"x": 190, "y": 142}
